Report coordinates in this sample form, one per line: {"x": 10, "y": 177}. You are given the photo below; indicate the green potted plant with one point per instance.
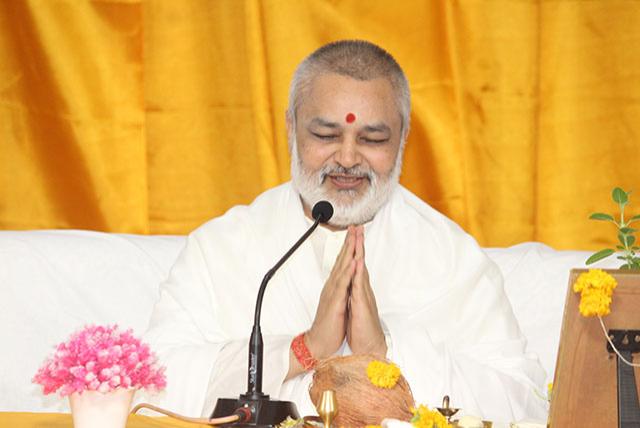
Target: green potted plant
{"x": 626, "y": 234}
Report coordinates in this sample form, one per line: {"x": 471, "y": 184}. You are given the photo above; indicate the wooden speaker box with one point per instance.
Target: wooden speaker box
{"x": 585, "y": 383}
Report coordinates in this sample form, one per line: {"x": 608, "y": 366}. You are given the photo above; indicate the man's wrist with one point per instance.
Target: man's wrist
{"x": 302, "y": 352}
{"x": 381, "y": 349}
{"x": 314, "y": 345}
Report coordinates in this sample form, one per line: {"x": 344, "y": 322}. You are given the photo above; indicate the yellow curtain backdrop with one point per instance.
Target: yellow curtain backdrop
{"x": 152, "y": 116}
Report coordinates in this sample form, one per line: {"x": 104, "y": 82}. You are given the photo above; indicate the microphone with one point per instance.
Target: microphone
{"x": 322, "y": 212}
{"x": 258, "y": 409}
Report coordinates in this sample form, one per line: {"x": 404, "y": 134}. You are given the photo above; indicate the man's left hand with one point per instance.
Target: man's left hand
{"x": 364, "y": 332}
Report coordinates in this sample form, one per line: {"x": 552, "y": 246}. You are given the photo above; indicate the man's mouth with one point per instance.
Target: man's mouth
{"x": 341, "y": 181}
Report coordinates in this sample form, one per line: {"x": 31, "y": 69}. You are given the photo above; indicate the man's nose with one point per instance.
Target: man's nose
{"x": 347, "y": 154}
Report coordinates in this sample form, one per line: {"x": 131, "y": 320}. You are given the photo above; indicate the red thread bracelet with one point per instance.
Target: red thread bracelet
{"x": 302, "y": 353}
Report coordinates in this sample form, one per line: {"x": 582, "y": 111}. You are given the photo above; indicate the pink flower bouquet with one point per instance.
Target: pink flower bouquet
{"x": 102, "y": 359}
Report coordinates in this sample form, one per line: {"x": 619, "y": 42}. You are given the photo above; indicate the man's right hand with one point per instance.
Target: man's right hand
{"x": 329, "y": 326}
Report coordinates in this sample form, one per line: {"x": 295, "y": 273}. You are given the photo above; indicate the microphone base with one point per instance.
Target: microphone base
{"x": 264, "y": 412}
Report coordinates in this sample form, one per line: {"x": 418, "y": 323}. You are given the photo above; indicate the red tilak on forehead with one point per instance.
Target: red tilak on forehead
{"x": 350, "y": 118}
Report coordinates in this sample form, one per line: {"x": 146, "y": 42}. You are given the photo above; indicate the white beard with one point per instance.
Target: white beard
{"x": 348, "y": 207}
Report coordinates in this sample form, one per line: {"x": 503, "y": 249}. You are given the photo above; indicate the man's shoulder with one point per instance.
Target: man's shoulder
{"x": 420, "y": 209}
{"x": 423, "y": 220}
{"x": 419, "y": 215}
{"x": 238, "y": 217}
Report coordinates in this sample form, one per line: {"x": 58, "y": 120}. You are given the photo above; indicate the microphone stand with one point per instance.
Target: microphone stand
{"x": 259, "y": 410}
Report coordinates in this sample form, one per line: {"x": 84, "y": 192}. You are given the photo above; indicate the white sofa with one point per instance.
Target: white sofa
{"x": 54, "y": 282}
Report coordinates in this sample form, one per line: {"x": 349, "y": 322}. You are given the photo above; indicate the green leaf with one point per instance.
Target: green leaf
{"x": 620, "y": 247}
{"x": 621, "y": 238}
{"x": 601, "y": 216}
{"x": 627, "y": 230}
{"x": 626, "y": 239}
{"x": 625, "y": 266}
{"x": 634, "y": 218}
{"x": 621, "y": 258}
{"x": 599, "y": 255}
{"x": 619, "y": 196}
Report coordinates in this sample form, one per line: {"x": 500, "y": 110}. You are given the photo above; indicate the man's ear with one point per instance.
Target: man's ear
{"x": 290, "y": 127}
{"x": 289, "y": 121}
{"x": 405, "y": 131}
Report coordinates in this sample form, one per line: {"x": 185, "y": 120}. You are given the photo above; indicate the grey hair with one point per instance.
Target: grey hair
{"x": 359, "y": 60}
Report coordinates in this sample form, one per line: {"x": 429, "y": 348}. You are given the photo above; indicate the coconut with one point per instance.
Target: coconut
{"x": 360, "y": 402}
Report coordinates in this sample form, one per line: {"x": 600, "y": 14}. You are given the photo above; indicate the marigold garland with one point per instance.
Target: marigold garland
{"x": 595, "y": 288}
{"x": 425, "y": 418}
{"x": 383, "y": 375}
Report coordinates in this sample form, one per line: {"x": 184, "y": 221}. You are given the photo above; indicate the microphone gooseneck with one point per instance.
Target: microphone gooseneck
{"x": 254, "y": 399}
{"x": 321, "y": 212}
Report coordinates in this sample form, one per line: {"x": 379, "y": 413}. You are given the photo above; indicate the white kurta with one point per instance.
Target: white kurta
{"x": 449, "y": 325}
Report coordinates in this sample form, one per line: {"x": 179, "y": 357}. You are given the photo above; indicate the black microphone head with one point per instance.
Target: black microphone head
{"x": 322, "y": 211}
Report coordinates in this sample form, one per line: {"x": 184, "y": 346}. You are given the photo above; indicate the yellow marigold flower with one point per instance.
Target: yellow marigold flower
{"x": 595, "y": 279}
{"x": 425, "y": 418}
{"x": 383, "y": 375}
{"x": 291, "y": 423}
{"x": 594, "y": 303}
{"x": 595, "y": 288}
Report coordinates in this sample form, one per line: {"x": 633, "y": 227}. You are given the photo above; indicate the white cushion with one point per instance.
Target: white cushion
{"x": 55, "y": 282}
{"x": 536, "y": 278}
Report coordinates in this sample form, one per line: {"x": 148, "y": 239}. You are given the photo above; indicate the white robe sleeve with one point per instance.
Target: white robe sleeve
{"x": 468, "y": 345}
{"x": 451, "y": 327}
{"x": 184, "y": 334}
{"x": 203, "y": 362}
{"x": 187, "y": 355}
{"x": 229, "y": 375}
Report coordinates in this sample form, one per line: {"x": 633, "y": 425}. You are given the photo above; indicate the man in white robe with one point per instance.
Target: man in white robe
{"x": 389, "y": 276}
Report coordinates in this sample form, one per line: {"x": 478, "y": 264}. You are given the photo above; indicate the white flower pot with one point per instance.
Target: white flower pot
{"x": 93, "y": 409}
